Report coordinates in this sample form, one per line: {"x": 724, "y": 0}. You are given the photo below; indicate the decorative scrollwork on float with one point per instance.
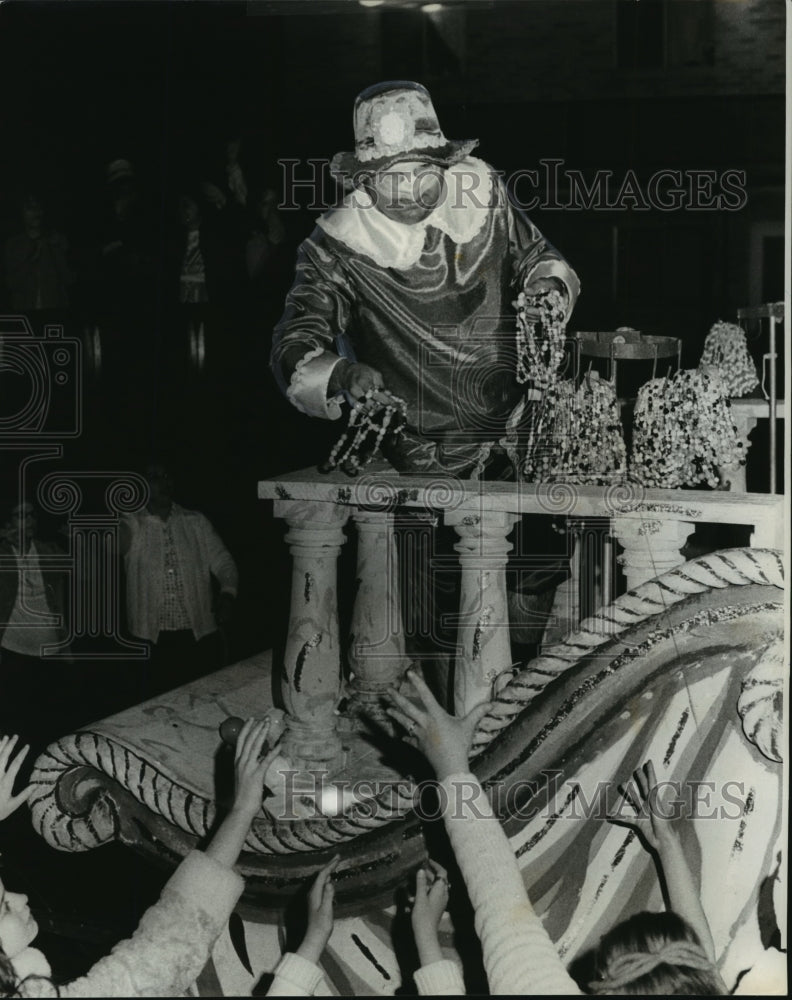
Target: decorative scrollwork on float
{"x": 732, "y": 566}
{"x": 761, "y": 701}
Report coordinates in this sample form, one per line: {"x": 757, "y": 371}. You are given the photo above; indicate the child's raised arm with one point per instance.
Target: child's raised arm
{"x": 431, "y": 899}
{"x": 249, "y": 770}
{"x": 519, "y": 956}
{"x": 298, "y": 973}
{"x": 320, "y": 914}
{"x": 656, "y": 806}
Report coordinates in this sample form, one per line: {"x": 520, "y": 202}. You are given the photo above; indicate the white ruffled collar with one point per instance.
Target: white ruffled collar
{"x": 359, "y": 226}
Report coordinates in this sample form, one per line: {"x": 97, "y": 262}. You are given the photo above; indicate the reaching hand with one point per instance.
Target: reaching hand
{"x": 359, "y": 379}
{"x": 547, "y": 285}
{"x": 320, "y": 913}
{"x": 444, "y": 739}
{"x": 654, "y": 805}
{"x": 8, "y": 771}
{"x": 250, "y": 766}
{"x": 431, "y": 900}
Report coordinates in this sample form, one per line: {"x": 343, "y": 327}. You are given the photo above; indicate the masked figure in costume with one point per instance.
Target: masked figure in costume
{"x": 409, "y": 284}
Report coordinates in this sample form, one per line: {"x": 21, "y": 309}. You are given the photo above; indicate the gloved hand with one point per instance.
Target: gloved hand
{"x": 355, "y": 378}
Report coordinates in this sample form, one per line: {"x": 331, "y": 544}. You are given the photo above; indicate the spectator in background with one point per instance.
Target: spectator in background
{"x": 171, "y": 557}
{"x": 34, "y": 699}
{"x": 192, "y": 274}
{"x": 267, "y": 258}
{"x": 126, "y": 251}
{"x": 237, "y": 183}
{"x": 38, "y": 272}
{"x": 205, "y": 293}
{"x": 208, "y": 249}
{"x": 228, "y": 179}
{"x": 267, "y": 233}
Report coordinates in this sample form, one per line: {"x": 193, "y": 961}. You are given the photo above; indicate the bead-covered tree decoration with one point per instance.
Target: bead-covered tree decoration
{"x": 587, "y": 440}
{"x": 726, "y": 350}
{"x": 683, "y": 431}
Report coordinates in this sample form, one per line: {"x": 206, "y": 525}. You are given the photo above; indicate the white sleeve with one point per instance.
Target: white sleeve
{"x": 440, "y": 979}
{"x": 295, "y": 976}
{"x": 519, "y": 957}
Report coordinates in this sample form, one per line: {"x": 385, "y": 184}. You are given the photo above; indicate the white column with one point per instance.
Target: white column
{"x": 376, "y": 655}
{"x": 311, "y": 682}
{"x": 484, "y": 641}
{"x": 651, "y": 546}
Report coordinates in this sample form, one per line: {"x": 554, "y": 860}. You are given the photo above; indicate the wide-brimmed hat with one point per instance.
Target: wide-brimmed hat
{"x": 395, "y": 121}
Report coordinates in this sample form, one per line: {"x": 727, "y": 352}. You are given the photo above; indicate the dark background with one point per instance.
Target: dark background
{"x": 664, "y": 84}
{"x": 601, "y": 85}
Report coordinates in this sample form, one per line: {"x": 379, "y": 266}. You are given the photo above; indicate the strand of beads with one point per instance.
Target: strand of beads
{"x": 540, "y": 430}
{"x": 683, "y": 431}
{"x": 726, "y": 350}
{"x": 539, "y": 355}
{"x": 588, "y": 440}
{"x": 378, "y": 413}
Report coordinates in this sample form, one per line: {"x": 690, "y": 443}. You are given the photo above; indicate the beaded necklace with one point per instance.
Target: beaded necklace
{"x": 539, "y": 356}
{"x": 378, "y": 413}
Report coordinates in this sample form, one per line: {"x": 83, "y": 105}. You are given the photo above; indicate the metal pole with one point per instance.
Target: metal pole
{"x": 773, "y": 457}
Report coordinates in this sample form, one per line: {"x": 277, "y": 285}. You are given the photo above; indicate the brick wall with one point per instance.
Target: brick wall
{"x": 543, "y": 50}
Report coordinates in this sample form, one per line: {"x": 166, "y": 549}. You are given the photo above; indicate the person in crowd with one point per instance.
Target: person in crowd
{"x": 126, "y": 255}
{"x": 265, "y": 256}
{"x": 192, "y": 274}
{"x": 37, "y": 262}
{"x": 267, "y": 232}
{"x": 208, "y": 250}
{"x": 175, "y": 936}
{"x": 34, "y": 653}
{"x": 236, "y": 180}
{"x": 230, "y": 172}
{"x": 205, "y": 292}
{"x": 173, "y": 558}
{"x": 648, "y": 954}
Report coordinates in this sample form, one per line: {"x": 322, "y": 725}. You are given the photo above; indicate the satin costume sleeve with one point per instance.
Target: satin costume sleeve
{"x": 318, "y": 308}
